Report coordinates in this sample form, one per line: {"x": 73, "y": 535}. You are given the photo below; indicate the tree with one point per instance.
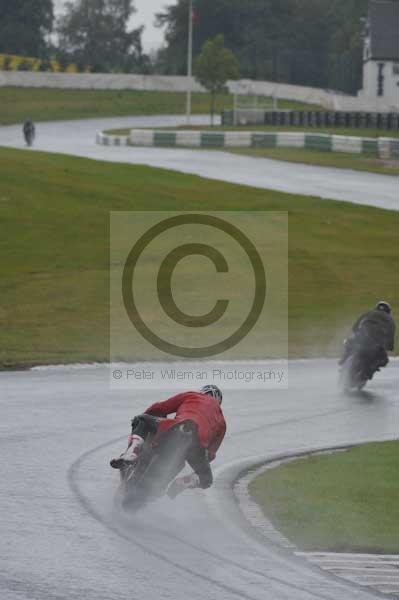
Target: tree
{"x": 95, "y": 34}
{"x": 212, "y": 18}
{"x": 24, "y": 26}
{"x": 295, "y": 41}
{"x": 214, "y": 66}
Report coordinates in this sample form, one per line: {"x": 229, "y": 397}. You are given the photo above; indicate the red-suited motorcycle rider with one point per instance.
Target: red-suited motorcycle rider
{"x": 202, "y": 412}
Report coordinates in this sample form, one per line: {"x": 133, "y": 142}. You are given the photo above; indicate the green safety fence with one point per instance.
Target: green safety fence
{"x": 164, "y": 138}
{"x": 370, "y": 147}
{"x": 215, "y": 140}
{"x": 318, "y": 142}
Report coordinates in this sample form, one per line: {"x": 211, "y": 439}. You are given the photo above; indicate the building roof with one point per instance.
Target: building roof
{"x": 384, "y": 29}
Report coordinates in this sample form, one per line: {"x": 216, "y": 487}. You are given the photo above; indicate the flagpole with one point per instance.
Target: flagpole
{"x": 189, "y": 59}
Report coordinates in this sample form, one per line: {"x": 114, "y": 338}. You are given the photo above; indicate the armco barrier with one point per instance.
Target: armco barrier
{"x": 377, "y": 147}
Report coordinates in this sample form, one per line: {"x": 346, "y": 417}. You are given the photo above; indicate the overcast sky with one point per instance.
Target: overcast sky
{"x": 152, "y": 37}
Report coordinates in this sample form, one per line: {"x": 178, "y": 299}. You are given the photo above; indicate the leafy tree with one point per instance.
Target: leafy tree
{"x": 346, "y": 44}
{"x": 95, "y": 34}
{"x": 214, "y": 66}
{"x": 62, "y": 60}
{"x": 308, "y": 42}
{"x": 213, "y": 17}
{"x": 24, "y": 26}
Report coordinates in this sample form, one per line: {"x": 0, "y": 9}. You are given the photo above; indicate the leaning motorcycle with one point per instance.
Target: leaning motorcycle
{"x": 161, "y": 458}
{"x": 359, "y": 366}
{"x": 29, "y": 135}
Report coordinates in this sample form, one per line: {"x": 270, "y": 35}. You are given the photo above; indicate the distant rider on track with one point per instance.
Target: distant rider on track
{"x": 29, "y": 131}
{"x": 374, "y": 332}
{"x": 203, "y": 412}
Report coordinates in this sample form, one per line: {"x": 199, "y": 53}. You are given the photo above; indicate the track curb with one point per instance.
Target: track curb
{"x": 229, "y": 508}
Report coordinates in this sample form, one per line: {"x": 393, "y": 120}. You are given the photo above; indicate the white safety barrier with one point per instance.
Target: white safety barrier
{"x": 328, "y": 99}
{"x": 140, "y": 137}
{"x": 341, "y": 143}
{"x": 377, "y": 147}
{"x": 291, "y": 140}
{"x": 238, "y": 139}
{"x": 188, "y": 138}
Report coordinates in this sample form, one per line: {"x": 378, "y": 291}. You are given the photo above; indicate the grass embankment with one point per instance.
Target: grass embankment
{"x": 42, "y": 104}
{"x": 54, "y": 244}
{"x": 348, "y": 501}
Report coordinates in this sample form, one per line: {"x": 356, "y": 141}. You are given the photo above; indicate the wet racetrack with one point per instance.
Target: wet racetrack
{"x": 78, "y": 138}
{"x": 62, "y": 536}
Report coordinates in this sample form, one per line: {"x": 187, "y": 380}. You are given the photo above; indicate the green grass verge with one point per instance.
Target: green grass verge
{"x": 343, "y": 502}
{"x": 124, "y": 131}
{"x": 54, "y": 244}
{"x": 338, "y": 160}
{"x": 43, "y": 104}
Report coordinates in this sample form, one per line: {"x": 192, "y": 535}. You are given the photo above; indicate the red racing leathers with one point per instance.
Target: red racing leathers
{"x": 203, "y": 410}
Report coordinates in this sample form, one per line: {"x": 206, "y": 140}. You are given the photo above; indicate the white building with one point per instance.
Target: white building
{"x": 381, "y": 57}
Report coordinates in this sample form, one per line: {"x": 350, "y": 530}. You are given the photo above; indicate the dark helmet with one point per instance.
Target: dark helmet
{"x": 214, "y": 391}
{"x": 384, "y": 306}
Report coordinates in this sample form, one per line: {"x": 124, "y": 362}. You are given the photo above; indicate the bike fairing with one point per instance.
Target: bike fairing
{"x": 365, "y": 352}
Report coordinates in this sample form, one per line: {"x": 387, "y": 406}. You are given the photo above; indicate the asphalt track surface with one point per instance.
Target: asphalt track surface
{"x": 61, "y": 535}
{"x": 78, "y": 138}
{"x": 63, "y": 538}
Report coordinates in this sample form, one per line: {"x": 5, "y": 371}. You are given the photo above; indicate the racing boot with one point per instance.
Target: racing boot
{"x": 135, "y": 443}
{"x": 186, "y": 482}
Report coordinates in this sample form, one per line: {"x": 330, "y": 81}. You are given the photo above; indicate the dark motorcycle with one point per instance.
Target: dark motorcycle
{"x": 360, "y": 364}
{"x": 161, "y": 458}
{"x": 29, "y": 134}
